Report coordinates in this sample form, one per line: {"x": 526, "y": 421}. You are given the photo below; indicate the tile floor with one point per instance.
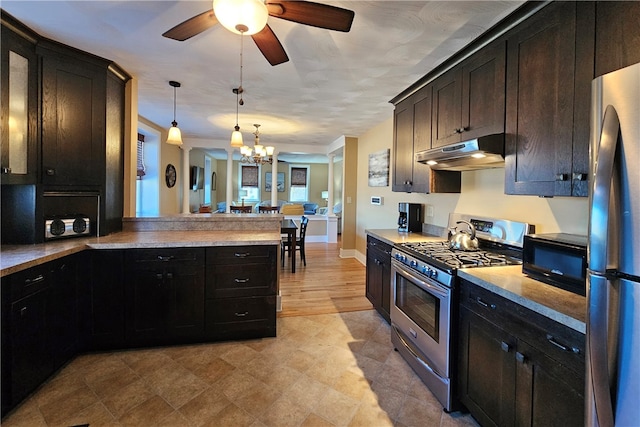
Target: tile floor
{"x": 322, "y": 370}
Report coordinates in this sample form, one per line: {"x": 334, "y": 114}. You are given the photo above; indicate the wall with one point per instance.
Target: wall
{"x": 482, "y": 194}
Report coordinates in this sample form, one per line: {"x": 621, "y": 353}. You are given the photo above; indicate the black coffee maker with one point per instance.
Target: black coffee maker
{"x": 410, "y": 217}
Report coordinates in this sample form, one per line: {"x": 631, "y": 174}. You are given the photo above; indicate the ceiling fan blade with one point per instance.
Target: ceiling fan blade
{"x": 270, "y": 46}
{"x": 192, "y": 26}
{"x": 314, "y": 14}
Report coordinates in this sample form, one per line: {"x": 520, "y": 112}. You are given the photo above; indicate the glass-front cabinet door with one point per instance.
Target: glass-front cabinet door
{"x": 19, "y": 74}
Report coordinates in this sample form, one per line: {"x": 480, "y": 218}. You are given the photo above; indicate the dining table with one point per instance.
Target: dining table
{"x": 289, "y": 228}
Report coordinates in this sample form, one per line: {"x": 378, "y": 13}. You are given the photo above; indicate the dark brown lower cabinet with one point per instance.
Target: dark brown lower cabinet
{"x": 164, "y": 295}
{"x": 378, "y": 276}
{"x": 517, "y": 367}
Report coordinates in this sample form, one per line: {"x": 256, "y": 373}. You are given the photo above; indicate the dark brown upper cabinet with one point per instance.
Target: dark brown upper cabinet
{"x": 549, "y": 71}
{"x": 412, "y": 133}
{"x": 468, "y": 100}
{"x": 617, "y": 35}
{"x": 19, "y": 94}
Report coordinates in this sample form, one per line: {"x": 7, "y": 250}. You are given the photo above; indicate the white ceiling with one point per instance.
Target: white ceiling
{"x": 334, "y": 84}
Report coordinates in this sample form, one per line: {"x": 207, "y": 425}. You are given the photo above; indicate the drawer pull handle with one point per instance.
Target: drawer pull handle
{"x": 39, "y": 278}
{"x": 521, "y": 358}
{"x": 505, "y": 347}
{"x": 23, "y": 311}
{"x": 165, "y": 258}
{"x": 242, "y": 314}
{"x": 159, "y": 276}
{"x": 562, "y": 347}
{"x": 169, "y": 276}
{"x": 484, "y": 304}
{"x": 242, "y": 255}
{"x": 241, "y": 280}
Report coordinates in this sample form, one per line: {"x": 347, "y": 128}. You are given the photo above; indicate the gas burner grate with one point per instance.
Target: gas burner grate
{"x": 439, "y": 252}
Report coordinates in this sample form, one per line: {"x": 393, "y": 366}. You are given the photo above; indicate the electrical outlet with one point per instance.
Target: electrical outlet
{"x": 348, "y": 199}
{"x": 430, "y": 211}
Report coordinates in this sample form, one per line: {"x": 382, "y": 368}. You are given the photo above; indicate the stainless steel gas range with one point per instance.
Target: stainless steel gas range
{"x": 424, "y": 302}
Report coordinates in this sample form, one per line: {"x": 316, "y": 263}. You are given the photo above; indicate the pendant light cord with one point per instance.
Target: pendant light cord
{"x": 174, "y": 123}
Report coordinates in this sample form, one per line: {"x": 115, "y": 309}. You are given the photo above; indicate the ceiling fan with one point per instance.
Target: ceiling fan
{"x": 303, "y": 12}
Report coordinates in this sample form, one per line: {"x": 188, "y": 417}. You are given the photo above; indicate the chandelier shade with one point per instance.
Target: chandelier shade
{"x": 241, "y": 16}
{"x": 259, "y": 154}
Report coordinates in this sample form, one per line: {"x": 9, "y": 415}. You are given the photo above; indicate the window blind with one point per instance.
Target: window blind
{"x": 249, "y": 176}
{"x": 140, "y": 154}
{"x": 298, "y": 177}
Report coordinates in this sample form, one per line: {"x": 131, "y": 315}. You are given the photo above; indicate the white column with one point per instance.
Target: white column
{"x": 330, "y": 184}
{"x": 274, "y": 180}
{"x": 229, "y": 179}
{"x": 185, "y": 179}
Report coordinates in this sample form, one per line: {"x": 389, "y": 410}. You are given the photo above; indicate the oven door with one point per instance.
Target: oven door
{"x": 420, "y": 313}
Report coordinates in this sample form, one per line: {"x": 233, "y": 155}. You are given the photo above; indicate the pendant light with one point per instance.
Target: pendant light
{"x": 174, "y": 137}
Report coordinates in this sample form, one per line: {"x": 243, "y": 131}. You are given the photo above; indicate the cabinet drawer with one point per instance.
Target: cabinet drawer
{"x": 153, "y": 258}
{"x": 238, "y": 280}
{"x": 30, "y": 281}
{"x": 373, "y": 243}
{"x": 241, "y": 317}
{"x": 241, "y": 254}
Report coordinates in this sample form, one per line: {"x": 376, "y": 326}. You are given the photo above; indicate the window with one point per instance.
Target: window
{"x": 250, "y": 182}
{"x": 299, "y": 191}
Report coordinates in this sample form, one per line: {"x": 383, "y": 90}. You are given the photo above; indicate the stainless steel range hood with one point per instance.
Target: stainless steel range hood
{"x": 481, "y": 153}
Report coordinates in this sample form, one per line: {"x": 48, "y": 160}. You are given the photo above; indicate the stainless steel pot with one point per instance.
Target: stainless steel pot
{"x": 464, "y": 240}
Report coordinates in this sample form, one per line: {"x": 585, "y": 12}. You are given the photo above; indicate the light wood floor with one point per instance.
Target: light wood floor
{"x": 328, "y": 284}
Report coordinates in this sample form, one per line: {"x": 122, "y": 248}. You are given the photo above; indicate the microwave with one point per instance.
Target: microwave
{"x": 558, "y": 259}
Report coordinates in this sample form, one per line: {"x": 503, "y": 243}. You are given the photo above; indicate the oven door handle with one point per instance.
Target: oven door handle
{"x": 415, "y": 356}
{"x": 434, "y": 289}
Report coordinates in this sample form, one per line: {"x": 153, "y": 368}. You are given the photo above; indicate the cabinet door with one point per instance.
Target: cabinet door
{"x": 103, "y": 302}
{"x": 447, "y": 108}
{"x": 373, "y": 290}
{"x": 486, "y": 370}
{"x": 617, "y": 35}
{"x": 548, "y": 393}
{"x": 483, "y": 92}
{"x": 31, "y": 361}
{"x": 63, "y": 316}
{"x": 403, "y": 146}
{"x": 184, "y": 287}
{"x": 146, "y": 307}
{"x": 73, "y": 121}
{"x": 19, "y": 94}
{"x": 544, "y": 74}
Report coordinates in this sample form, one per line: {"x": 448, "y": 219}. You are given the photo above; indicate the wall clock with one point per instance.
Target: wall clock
{"x": 170, "y": 175}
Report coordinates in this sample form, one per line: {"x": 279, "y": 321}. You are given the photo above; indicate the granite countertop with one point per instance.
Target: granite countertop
{"x": 557, "y": 304}
{"x": 14, "y": 258}
{"x": 392, "y": 236}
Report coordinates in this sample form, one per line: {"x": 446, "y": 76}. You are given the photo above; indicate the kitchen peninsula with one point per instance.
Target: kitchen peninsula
{"x": 161, "y": 281}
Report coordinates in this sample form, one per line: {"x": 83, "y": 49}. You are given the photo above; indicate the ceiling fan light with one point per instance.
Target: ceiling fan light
{"x": 175, "y": 136}
{"x": 241, "y": 16}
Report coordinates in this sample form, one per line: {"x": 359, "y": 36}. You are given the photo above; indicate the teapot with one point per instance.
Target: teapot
{"x": 464, "y": 240}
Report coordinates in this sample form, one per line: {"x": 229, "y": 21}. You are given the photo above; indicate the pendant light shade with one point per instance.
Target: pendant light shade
{"x": 236, "y": 138}
{"x": 175, "y": 136}
{"x": 241, "y": 16}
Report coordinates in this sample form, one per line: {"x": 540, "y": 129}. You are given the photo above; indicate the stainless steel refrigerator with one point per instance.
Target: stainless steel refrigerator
{"x": 613, "y": 280}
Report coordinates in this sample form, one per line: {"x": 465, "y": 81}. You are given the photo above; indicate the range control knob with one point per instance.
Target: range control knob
{"x": 433, "y": 274}
{"x": 414, "y": 263}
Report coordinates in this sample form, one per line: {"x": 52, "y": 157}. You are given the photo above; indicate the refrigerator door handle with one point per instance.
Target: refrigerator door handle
{"x": 598, "y": 376}
{"x": 604, "y": 180}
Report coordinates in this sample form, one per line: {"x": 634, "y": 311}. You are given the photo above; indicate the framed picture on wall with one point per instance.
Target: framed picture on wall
{"x": 279, "y": 181}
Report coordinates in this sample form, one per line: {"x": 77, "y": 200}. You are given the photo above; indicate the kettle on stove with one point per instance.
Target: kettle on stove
{"x": 464, "y": 240}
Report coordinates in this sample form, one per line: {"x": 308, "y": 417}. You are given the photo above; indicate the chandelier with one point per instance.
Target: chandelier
{"x": 259, "y": 154}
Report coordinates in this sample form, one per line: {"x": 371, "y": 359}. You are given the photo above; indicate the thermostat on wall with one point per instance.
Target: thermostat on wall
{"x": 376, "y": 200}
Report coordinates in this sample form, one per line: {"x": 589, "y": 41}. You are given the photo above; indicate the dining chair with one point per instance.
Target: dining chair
{"x": 284, "y": 244}
{"x": 268, "y": 209}
{"x": 241, "y": 209}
